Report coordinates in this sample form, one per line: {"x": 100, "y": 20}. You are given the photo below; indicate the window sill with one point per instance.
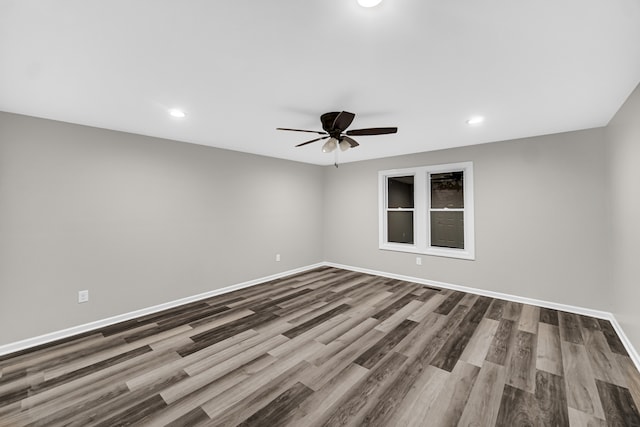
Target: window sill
{"x": 441, "y": 252}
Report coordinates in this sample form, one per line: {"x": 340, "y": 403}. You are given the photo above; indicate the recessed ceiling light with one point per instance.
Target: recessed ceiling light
{"x": 174, "y": 112}
{"x": 475, "y": 120}
{"x": 369, "y": 3}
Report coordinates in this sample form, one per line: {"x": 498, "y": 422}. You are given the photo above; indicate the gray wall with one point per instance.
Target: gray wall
{"x": 623, "y": 141}
{"x": 540, "y": 219}
{"x": 138, "y": 221}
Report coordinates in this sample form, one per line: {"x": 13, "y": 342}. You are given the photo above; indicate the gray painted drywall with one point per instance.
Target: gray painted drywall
{"x": 138, "y": 221}
{"x": 623, "y": 141}
{"x": 540, "y": 219}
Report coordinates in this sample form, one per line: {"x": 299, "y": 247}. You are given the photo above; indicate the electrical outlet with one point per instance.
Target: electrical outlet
{"x": 83, "y": 296}
{"x": 278, "y": 257}
{"x": 419, "y": 260}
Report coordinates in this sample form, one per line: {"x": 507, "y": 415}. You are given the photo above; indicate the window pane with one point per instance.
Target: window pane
{"x": 447, "y": 229}
{"x": 400, "y": 192}
{"x": 400, "y": 227}
{"x": 447, "y": 190}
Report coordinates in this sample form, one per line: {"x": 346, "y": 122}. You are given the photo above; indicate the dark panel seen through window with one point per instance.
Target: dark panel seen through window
{"x": 447, "y": 190}
{"x": 447, "y": 229}
{"x": 400, "y": 192}
{"x": 400, "y": 227}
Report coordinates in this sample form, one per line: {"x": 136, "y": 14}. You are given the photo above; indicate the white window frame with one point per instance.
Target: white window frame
{"x": 421, "y": 211}
{"x": 414, "y": 209}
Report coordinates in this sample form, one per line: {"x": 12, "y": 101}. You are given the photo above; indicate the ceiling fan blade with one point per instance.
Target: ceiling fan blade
{"x": 352, "y": 142}
{"x": 372, "y": 131}
{"x": 313, "y": 140}
{"x": 303, "y": 130}
{"x": 343, "y": 120}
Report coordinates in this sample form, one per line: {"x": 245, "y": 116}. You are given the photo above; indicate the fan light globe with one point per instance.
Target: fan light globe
{"x": 344, "y": 145}
{"x": 369, "y": 3}
{"x": 330, "y": 145}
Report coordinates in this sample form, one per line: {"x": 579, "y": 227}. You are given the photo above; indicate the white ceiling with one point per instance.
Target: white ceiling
{"x": 241, "y": 68}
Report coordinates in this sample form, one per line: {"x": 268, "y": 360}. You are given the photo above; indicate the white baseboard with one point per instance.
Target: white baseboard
{"x": 563, "y": 307}
{"x": 633, "y": 354}
{"x": 75, "y": 330}
{"x": 53, "y": 336}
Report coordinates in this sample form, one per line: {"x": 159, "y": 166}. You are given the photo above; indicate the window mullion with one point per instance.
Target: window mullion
{"x": 420, "y": 218}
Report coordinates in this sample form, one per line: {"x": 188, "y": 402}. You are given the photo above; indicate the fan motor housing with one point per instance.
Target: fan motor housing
{"x": 327, "y": 120}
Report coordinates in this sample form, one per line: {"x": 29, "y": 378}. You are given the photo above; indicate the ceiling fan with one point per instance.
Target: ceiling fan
{"x": 335, "y": 125}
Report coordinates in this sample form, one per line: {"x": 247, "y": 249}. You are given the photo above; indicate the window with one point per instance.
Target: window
{"x": 428, "y": 210}
{"x": 400, "y": 209}
{"x": 446, "y": 209}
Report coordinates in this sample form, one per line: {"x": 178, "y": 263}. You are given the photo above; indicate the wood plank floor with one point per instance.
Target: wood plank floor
{"x": 330, "y": 347}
